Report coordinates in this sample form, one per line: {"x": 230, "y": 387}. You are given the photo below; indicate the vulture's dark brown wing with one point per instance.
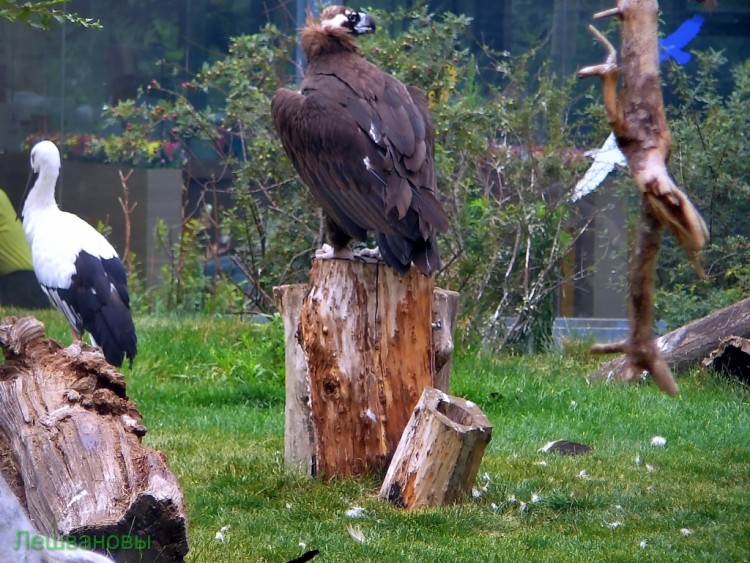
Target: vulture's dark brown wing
{"x": 359, "y": 141}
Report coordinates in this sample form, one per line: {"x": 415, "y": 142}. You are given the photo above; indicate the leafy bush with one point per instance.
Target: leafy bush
{"x": 711, "y": 159}
{"x": 505, "y": 157}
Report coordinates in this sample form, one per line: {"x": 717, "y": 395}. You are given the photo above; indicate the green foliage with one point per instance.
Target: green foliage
{"x": 711, "y": 159}
{"x": 42, "y": 14}
{"x": 211, "y": 394}
{"x": 505, "y": 158}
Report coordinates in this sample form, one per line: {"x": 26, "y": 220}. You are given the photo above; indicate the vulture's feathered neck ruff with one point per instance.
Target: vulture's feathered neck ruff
{"x": 363, "y": 142}
{"x": 317, "y": 41}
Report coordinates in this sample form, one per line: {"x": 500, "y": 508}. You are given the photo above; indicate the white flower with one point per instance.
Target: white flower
{"x": 686, "y": 531}
{"x": 658, "y": 441}
{"x": 494, "y": 507}
{"x": 637, "y": 459}
{"x": 615, "y": 524}
{"x": 650, "y": 468}
{"x": 512, "y": 499}
{"x": 573, "y": 404}
{"x": 643, "y": 544}
{"x": 523, "y": 507}
{"x": 475, "y": 492}
{"x": 355, "y": 512}
{"x": 535, "y": 498}
{"x": 583, "y": 474}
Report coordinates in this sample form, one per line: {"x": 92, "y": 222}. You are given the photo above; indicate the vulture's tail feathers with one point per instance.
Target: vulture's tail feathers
{"x": 396, "y": 251}
{"x": 399, "y": 253}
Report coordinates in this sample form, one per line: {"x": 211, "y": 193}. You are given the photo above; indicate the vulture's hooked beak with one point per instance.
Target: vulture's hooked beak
{"x": 365, "y": 25}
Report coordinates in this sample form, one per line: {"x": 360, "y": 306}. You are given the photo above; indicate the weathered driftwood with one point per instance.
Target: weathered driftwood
{"x": 299, "y": 432}
{"x": 637, "y": 117}
{"x": 439, "y": 453}
{"x": 20, "y": 542}
{"x": 732, "y": 357}
{"x": 70, "y": 441}
{"x": 690, "y": 344}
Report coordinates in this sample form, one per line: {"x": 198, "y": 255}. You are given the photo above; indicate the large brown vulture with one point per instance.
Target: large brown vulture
{"x": 364, "y": 144}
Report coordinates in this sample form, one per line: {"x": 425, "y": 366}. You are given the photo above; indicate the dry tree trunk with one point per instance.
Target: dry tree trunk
{"x": 438, "y": 456}
{"x": 70, "y": 442}
{"x": 367, "y": 335}
{"x": 369, "y": 343}
{"x": 640, "y": 127}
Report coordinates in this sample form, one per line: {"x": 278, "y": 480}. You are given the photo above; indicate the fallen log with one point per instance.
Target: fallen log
{"x": 371, "y": 340}
{"x": 439, "y": 453}
{"x": 70, "y": 441}
{"x": 690, "y": 344}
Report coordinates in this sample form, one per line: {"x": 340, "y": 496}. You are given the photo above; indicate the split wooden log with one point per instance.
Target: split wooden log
{"x": 299, "y": 436}
{"x": 70, "y": 441}
{"x": 299, "y": 432}
{"x": 439, "y": 453}
{"x": 640, "y": 127}
{"x": 444, "y": 312}
{"x": 690, "y": 344}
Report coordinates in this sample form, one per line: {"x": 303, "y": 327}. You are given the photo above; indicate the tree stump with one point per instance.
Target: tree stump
{"x": 439, "y": 454}
{"x": 367, "y": 335}
{"x": 444, "y": 312}
{"x": 300, "y": 432}
{"x": 70, "y": 442}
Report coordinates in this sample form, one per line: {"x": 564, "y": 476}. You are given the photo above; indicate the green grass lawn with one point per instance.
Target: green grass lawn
{"x": 211, "y": 393}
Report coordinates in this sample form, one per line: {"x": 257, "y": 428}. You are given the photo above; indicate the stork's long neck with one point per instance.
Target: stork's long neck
{"x": 41, "y": 199}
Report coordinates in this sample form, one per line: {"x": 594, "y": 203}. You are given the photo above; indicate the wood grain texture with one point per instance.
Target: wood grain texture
{"x": 367, "y": 335}
{"x": 439, "y": 453}
{"x": 299, "y": 433}
{"x": 70, "y": 441}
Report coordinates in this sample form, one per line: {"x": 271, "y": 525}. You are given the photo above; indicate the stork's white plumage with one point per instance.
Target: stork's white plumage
{"x": 76, "y": 266}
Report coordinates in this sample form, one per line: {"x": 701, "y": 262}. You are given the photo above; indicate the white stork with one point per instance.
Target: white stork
{"x": 77, "y": 268}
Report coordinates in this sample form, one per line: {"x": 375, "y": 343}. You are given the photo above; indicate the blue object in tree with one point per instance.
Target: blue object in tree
{"x": 671, "y": 46}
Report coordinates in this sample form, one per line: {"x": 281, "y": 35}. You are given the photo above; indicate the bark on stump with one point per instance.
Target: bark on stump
{"x": 70, "y": 447}
{"x": 438, "y": 457}
{"x": 358, "y": 354}
{"x": 690, "y": 344}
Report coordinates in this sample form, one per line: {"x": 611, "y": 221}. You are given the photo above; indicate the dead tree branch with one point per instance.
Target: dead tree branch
{"x": 638, "y": 121}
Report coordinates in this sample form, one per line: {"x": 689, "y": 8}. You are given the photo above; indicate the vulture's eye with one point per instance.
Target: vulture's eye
{"x": 353, "y": 18}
